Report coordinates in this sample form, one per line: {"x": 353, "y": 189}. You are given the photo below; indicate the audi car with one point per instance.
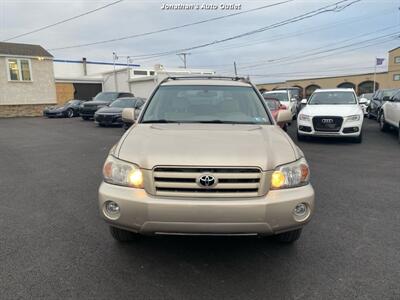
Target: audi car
{"x": 331, "y": 113}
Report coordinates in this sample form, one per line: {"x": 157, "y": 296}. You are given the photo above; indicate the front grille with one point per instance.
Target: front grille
{"x": 184, "y": 182}
{"x": 327, "y": 123}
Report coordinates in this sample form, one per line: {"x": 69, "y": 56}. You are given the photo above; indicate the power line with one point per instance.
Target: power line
{"x": 312, "y": 52}
{"x": 288, "y": 36}
{"x": 63, "y": 21}
{"x": 170, "y": 28}
{"x": 335, "y": 7}
{"x": 291, "y": 35}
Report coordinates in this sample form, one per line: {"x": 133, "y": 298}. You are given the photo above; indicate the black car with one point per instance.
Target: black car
{"x": 380, "y": 97}
{"x": 112, "y": 114}
{"x": 68, "y": 110}
{"x": 102, "y": 99}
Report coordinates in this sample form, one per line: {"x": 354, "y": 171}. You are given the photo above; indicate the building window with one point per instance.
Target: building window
{"x": 396, "y": 77}
{"x": 397, "y": 60}
{"x": 19, "y": 69}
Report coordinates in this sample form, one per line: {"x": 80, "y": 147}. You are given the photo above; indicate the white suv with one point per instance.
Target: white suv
{"x": 390, "y": 113}
{"x": 331, "y": 112}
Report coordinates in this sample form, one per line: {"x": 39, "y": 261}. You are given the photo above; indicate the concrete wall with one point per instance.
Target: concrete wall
{"x": 144, "y": 87}
{"x": 122, "y": 82}
{"x": 41, "y": 90}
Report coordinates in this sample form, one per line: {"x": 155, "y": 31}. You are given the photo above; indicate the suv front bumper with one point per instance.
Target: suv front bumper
{"x": 266, "y": 215}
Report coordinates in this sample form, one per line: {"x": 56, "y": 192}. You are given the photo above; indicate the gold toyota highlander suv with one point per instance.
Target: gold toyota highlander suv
{"x": 205, "y": 156}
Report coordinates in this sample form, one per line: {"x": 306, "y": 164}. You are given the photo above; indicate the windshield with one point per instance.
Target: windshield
{"x": 388, "y": 93}
{"x": 106, "y": 96}
{"x": 332, "y": 98}
{"x": 206, "y": 104}
{"x": 124, "y": 103}
{"x": 280, "y": 96}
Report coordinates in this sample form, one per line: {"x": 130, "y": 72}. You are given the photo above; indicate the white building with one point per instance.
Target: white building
{"x": 84, "y": 79}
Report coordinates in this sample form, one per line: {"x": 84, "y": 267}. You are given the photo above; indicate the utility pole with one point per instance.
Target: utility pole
{"x": 234, "y": 66}
{"x": 115, "y": 57}
{"x": 182, "y": 56}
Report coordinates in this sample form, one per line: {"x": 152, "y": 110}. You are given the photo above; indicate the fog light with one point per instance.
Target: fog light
{"x": 300, "y": 210}
{"x": 112, "y": 209}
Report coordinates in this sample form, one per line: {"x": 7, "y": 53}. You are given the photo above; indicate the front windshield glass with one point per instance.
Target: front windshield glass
{"x": 280, "y": 96}
{"x": 124, "y": 103}
{"x": 332, "y": 98}
{"x": 389, "y": 93}
{"x": 106, "y": 96}
{"x": 206, "y": 104}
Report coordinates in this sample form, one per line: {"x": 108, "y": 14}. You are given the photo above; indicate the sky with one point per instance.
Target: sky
{"x": 304, "y": 49}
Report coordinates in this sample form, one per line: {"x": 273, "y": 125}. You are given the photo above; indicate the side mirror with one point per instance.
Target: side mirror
{"x": 386, "y": 98}
{"x": 303, "y": 101}
{"x": 293, "y": 99}
{"x": 128, "y": 115}
{"x": 284, "y": 116}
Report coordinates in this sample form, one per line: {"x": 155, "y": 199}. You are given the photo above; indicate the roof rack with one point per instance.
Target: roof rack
{"x": 233, "y": 78}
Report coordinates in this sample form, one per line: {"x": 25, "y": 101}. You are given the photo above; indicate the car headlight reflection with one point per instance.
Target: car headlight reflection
{"x": 304, "y": 117}
{"x": 119, "y": 172}
{"x": 291, "y": 175}
{"x": 353, "y": 118}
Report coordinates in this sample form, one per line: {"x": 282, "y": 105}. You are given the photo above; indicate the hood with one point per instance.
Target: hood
{"x": 331, "y": 110}
{"x": 150, "y": 145}
{"x": 56, "y": 107}
{"x": 110, "y": 110}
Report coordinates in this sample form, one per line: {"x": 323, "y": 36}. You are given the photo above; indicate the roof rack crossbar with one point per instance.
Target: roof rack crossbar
{"x": 234, "y": 78}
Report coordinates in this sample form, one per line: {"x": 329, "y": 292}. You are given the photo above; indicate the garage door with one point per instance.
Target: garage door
{"x": 86, "y": 91}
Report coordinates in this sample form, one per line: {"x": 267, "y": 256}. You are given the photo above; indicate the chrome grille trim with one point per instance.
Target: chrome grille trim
{"x": 183, "y": 181}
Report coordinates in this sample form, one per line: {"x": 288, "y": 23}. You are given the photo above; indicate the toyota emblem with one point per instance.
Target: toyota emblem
{"x": 207, "y": 180}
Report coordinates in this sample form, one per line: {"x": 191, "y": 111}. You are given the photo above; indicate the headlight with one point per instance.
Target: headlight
{"x": 119, "y": 172}
{"x": 353, "y": 118}
{"x": 303, "y": 117}
{"x": 291, "y": 175}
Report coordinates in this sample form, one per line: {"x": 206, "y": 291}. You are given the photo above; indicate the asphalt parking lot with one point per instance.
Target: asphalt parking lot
{"x": 53, "y": 243}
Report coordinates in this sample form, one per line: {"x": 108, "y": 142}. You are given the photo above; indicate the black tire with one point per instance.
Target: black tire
{"x": 69, "y": 113}
{"x": 300, "y": 137}
{"x": 122, "y": 236}
{"x": 285, "y": 127}
{"x": 85, "y": 118}
{"x": 398, "y": 132}
{"x": 382, "y": 122}
{"x": 289, "y": 236}
{"x": 358, "y": 139}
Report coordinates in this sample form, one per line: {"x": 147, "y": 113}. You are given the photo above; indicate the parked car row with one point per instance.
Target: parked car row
{"x": 105, "y": 109}
{"x": 339, "y": 113}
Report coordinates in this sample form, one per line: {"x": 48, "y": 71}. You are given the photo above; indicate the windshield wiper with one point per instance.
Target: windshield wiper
{"x": 160, "y": 121}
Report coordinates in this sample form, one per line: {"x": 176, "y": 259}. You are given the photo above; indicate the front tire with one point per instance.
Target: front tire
{"x": 358, "y": 139}
{"x": 70, "y": 113}
{"x": 382, "y": 122}
{"x": 289, "y": 236}
{"x": 121, "y": 235}
{"x": 300, "y": 137}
